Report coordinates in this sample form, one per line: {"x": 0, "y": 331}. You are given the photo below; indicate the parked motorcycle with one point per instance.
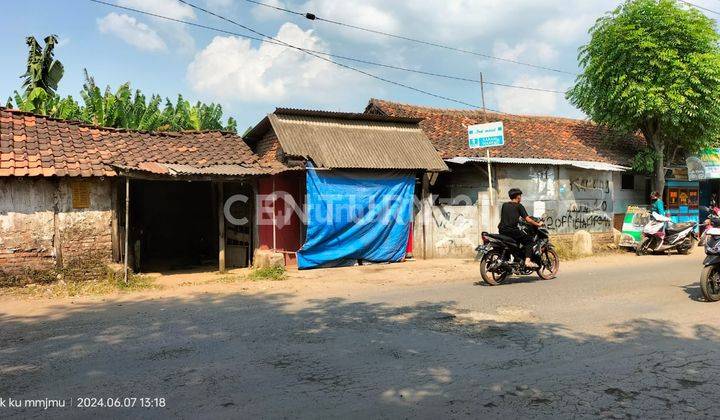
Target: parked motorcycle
{"x": 710, "y": 278}
{"x": 501, "y": 256}
{"x": 661, "y": 235}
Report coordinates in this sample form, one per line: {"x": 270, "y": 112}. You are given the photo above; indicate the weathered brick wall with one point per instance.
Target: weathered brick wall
{"x": 33, "y": 211}
{"x": 86, "y": 232}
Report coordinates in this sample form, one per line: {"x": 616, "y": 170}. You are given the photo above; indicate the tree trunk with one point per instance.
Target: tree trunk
{"x": 654, "y": 138}
{"x": 660, "y": 171}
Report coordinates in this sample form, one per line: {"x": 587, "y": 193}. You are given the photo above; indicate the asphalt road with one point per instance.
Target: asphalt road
{"x": 612, "y": 337}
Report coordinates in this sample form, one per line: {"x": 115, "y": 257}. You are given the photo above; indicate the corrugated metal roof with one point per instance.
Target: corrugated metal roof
{"x": 171, "y": 169}
{"x": 598, "y": 166}
{"x": 333, "y": 141}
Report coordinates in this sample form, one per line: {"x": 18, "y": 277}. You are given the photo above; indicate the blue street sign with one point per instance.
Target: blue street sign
{"x": 486, "y": 135}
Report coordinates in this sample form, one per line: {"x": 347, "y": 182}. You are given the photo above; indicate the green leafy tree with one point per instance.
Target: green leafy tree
{"x": 653, "y": 66}
{"x": 121, "y": 108}
{"x": 184, "y": 116}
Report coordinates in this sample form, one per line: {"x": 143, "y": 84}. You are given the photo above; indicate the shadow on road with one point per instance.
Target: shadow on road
{"x": 694, "y": 292}
{"x": 270, "y": 356}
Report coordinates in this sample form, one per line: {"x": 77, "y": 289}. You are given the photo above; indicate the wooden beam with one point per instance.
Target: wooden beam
{"x": 127, "y": 227}
{"x": 221, "y": 226}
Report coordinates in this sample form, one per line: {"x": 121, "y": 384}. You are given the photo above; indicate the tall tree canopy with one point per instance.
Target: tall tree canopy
{"x": 653, "y": 66}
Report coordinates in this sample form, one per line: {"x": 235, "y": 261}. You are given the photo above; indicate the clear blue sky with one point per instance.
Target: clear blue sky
{"x": 250, "y": 79}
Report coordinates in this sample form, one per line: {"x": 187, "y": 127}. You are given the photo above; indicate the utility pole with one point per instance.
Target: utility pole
{"x": 487, "y": 153}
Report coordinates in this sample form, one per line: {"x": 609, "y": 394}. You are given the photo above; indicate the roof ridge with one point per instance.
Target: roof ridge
{"x": 377, "y": 101}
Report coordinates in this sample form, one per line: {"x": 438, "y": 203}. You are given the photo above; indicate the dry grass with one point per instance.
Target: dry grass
{"x": 61, "y": 288}
{"x": 566, "y": 253}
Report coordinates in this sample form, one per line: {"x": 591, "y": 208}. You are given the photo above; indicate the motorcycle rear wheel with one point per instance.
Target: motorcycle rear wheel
{"x": 687, "y": 247}
{"x": 550, "y": 264}
{"x": 710, "y": 283}
{"x": 490, "y": 277}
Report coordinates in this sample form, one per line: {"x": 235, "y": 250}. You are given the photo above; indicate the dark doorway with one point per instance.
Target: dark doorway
{"x": 173, "y": 225}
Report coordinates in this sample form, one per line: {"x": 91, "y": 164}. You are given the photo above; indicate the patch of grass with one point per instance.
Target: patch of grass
{"x": 565, "y": 252}
{"x": 80, "y": 277}
{"x": 268, "y": 273}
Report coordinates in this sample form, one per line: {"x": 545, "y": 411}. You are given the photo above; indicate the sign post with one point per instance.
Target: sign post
{"x": 485, "y": 136}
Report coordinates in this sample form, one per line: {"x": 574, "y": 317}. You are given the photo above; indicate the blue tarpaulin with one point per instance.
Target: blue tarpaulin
{"x": 356, "y": 215}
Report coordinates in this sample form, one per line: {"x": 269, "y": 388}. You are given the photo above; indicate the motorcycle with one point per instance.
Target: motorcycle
{"x": 661, "y": 235}
{"x": 713, "y": 211}
{"x": 501, "y": 256}
{"x": 710, "y": 278}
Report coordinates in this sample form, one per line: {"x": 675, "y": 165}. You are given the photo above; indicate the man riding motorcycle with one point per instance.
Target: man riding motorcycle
{"x": 510, "y": 215}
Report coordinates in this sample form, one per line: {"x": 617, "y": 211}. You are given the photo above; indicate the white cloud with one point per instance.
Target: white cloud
{"x": 230, "y": 68}
{"x": 533, "y": 51}
{"x": 170, "y": 30}
{"x": 371, "y": 14}
{"x": 567, "y": 30}
{"x": 131, "y": 31}
{"x": 266, "y": 13}
{"x": 519, "y": 101}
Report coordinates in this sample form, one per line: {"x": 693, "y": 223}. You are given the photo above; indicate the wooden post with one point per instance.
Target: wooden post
{"x": 478, "y": 206}
{"x": 127, "y": 227}
{"x": 274, "y": 224}
{"x": 254, "y": 224}
{"x": 426, "y": 207}
{"x": 221, "y": 226}
{"x": 115, "y": 236}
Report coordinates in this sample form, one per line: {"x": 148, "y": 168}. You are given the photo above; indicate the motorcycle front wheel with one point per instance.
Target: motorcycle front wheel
{"x": 710, "y": 283}
{"x": 489, "y": 271}
{"x": 643, "y": 247}
{"x": 550, "y": 264}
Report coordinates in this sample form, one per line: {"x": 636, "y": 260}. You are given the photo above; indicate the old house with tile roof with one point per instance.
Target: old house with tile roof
{"x": 63, "y": 194}
{"x": 572, "y": 172}
{"x": 163, "y": 201}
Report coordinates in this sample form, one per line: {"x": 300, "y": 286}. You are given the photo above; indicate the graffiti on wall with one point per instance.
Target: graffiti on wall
{"x": 585, "y": 202}
{"x": 542, "y": 182}
{"x": 455, "y": 230}
{"x": 572, "y": 216}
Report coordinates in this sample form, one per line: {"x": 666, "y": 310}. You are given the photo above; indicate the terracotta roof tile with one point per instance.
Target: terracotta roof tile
{"x": 525, "y": 136}
{"x": 34, "y": 145}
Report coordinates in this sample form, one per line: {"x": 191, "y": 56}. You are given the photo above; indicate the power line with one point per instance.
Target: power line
{"x": 697, "y": 7}
{"x": 374, "y": 76}
{"x": 342, "y": 57}
{"x": 312, "y": 16}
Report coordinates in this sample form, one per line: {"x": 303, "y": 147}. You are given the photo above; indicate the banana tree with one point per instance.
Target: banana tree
{"x": 43, "y": 70}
